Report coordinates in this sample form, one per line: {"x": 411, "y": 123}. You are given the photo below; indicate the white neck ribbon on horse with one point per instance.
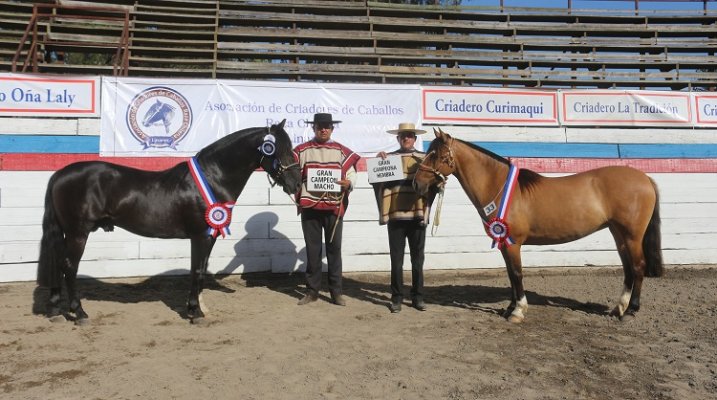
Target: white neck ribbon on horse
{"x": 497, "y": 228}
{"x": 218, "y": 215}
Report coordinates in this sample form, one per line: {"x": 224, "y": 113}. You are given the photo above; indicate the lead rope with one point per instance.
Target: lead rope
{"x": 437, "y": 216}
{"x": 336, "y": 223}
{"x": 293, "y": 200}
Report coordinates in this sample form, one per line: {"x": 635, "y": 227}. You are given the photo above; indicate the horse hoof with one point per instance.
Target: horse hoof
{"x": 627, "y": 318}
{"x": 82, "y": 321}
{"x": 514, "y": 319}
{"x": 198, "y": 321}
{"x": 57, "y": 318}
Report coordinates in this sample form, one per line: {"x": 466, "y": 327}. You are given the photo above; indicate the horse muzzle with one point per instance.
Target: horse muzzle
{"x": 290, "y": 179}
{"x": 423, "y": 186}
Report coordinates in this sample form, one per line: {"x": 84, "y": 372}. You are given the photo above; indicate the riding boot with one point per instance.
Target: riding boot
{"x": 338, "y": 299}
{"x": 395, "y": 305}
{"x": 310, "y": 297}
{"x": 418, "y": 303}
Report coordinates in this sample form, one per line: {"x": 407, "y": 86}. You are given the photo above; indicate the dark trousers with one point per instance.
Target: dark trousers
{"x": 313, "y": 222}
{"x": 398, "y": 232}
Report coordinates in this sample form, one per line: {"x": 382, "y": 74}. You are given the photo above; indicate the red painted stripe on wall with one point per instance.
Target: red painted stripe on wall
{"x": 53, "y": 162}
{"x": 655, "y": 165}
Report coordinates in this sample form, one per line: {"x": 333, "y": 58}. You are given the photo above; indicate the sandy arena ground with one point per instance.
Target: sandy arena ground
{"x": 258, "y": 344}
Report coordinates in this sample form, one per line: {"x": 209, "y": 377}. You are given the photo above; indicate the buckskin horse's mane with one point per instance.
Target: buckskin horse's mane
{"x": 527, "y": 179}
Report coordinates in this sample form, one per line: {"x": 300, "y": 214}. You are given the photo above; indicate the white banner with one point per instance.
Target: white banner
{"x": 49, "y": 95}
{"x": 625, "y": 107}
{"x": 178, "y": 117}
{"x": 705, "y": 108}
{"x": 489, "y": 106}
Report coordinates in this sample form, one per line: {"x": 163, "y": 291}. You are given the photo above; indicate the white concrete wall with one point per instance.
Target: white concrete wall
{"x": 266, "y": 234}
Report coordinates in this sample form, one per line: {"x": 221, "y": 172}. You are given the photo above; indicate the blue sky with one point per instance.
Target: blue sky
{"x": 593, "y": 5}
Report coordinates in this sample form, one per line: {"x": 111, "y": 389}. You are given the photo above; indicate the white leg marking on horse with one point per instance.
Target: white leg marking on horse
{"x": 521, "y": 307}
{"x": 624, "y": 300}
{"x": 203, "y": 306}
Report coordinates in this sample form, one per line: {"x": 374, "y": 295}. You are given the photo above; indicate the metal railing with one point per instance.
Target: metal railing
{"x": 39, "y": 40}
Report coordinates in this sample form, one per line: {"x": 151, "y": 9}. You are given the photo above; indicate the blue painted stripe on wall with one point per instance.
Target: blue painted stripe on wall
{"x": 668, "y": 150}
{"x": 542, "y": 149}
{"x": 598, "y": 150}
{"x": 49, "y": 144}
{"x": 54, "y": 144}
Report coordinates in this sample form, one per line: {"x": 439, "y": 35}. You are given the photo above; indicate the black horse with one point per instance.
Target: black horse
{"x": 85, "y": 196}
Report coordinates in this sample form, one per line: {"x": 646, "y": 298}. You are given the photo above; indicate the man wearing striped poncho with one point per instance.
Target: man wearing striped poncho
{"x": 322, "y": 211}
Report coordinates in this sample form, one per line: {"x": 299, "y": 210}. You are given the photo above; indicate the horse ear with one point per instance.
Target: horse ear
{"x": 281, "y": 124}
{"x": 437, "y": 133}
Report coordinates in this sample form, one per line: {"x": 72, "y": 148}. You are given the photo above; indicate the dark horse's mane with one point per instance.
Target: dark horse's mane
{"x": 228, "y": 141}
{"x": 527, "y": 178}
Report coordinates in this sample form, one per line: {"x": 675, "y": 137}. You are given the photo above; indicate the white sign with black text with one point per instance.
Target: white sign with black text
{"x": 323, "y": 180}
{"x": 385, "y": 170}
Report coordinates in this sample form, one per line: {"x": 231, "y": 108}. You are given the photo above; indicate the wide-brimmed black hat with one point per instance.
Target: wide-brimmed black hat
{"x": 322, "y": 118}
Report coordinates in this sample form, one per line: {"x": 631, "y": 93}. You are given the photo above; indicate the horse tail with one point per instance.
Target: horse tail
{"x": 52, "y": 244}
{"x": 652, "y": 242}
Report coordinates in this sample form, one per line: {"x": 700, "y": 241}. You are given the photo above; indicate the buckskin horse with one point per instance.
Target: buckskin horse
{"x": 85, "y": 196}
{"x": 539, "y": 210}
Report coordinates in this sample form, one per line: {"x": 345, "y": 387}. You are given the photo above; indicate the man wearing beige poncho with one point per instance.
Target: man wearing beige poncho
{"x": 404, "y": 213}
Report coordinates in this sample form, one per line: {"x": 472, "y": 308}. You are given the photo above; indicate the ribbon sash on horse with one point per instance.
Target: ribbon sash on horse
{"x": 218, "y": 215}
{"x": 497, "y": 228}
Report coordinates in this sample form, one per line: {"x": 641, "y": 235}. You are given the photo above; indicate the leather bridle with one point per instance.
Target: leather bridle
{"x": 278, "y": 169}
{"x": 447, "y": 159}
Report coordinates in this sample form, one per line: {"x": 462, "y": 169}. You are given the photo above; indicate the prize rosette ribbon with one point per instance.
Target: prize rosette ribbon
{"x": 218, "y": 217}
{"x": 498, "y": 230}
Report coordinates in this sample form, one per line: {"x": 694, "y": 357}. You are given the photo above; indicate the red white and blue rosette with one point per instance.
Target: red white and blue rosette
{"x": 218, "y": 217}
{"x": 499, "y": 231}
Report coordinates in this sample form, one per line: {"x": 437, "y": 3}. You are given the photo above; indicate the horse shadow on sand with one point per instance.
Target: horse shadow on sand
{"x": 170, "y": 288}
{"x": 486, "y": 299}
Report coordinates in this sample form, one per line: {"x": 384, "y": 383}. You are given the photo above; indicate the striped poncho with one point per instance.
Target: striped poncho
{"x": 313, "y": 154}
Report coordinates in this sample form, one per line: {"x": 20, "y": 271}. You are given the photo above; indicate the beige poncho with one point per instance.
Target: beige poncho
{"x": 396, "y": 199}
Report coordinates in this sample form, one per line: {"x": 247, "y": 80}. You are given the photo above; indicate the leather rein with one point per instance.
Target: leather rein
{"x": 451, "y": 162}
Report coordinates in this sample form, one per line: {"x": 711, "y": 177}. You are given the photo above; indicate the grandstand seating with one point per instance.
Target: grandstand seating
{"x": 365, "y": 41}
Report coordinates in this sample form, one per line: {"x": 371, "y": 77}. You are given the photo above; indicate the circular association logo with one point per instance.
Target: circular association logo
{"x": 159, "y": 117}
